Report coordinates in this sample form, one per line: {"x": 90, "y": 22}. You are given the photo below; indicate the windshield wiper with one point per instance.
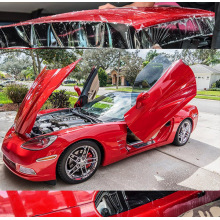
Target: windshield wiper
{"x": 78, "y": 111}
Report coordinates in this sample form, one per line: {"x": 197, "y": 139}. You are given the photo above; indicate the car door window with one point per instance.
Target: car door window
{"x": 150, "y": 74}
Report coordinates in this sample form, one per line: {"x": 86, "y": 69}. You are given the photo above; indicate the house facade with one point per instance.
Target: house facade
{"x": 205, "y": 76}
{"x": 113, "y": 74}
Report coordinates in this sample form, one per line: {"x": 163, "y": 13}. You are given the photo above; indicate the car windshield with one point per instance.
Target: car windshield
{"x": 111, "y": 106}
{"x": 150, "y": 74}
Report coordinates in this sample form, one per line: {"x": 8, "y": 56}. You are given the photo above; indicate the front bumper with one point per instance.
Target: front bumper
{"x": 19, "y": 160}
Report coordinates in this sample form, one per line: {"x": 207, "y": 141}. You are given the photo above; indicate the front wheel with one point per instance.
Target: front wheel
{"x": 79, "y": 162}
{"x": 183, "y": 133}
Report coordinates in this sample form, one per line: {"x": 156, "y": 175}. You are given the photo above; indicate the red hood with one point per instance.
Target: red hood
{"x": 46, "y": 82}
{"x": 137, "y": 17}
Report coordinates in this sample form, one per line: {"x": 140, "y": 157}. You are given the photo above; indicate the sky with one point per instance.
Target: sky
{"x": 143, "y": 53}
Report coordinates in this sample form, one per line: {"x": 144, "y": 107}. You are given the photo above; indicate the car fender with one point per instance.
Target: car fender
{"x": 107, "y": 135}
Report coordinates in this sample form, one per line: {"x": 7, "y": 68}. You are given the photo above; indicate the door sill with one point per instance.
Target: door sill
{"x": 140, "y": 144}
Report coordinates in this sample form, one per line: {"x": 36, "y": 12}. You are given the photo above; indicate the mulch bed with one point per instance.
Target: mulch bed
{"x": 9, "y": 107}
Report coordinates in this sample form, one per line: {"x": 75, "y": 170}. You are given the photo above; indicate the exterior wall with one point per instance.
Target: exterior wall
{"x": 122, "y": 81}
{"x": 202, "y": 81}
{"x": 205, "y": 76}
{"x": 114, "y": 77}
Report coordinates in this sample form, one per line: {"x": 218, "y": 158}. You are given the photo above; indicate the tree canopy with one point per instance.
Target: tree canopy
{"x": 27, "y": 64}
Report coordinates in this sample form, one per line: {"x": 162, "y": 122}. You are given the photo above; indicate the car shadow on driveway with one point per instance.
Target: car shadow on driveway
{"x": 194, "y": 166}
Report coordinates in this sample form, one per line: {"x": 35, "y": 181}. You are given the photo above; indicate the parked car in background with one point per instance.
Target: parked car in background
{"x": 104, "y": 203}
{"x": 74, "y": 142}
{"x": 69, "y": 81}
{"x": 125, "y": 28}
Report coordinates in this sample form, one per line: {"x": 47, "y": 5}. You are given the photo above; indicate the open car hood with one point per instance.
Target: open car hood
{"x": 46, "y": 82}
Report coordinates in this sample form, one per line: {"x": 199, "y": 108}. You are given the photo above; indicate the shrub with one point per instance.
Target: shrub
{"x": 2, "y": 76}
{"x": 109, "y": 80}
{"x": 47, "y": 105}
{"x": 16, "y": 92}
{"x": 213, "y": 85}
{"x": 218, "y": 83}
{"x": 60, "y": 99}
{"x": 102, "y": 77}
{"x": 214, "y": 89}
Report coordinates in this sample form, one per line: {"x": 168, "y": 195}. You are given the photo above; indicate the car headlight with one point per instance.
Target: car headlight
{"x": 39, "y": 143}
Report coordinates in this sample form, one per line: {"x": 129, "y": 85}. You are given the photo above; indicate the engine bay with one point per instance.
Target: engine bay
{"x": 58, "y": 120}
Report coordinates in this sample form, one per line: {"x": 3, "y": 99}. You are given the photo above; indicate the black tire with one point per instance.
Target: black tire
{"x": 177, "y": 140}
{"x": 75, "y": 150}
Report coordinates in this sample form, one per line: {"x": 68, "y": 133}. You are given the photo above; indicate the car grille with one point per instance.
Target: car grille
{"x": 9, "y": 162}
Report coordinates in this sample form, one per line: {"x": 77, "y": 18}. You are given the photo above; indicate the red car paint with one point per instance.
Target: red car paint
{"x": 81, "y": 203}
{"x": 170, "y": 94}
{"x": 43, "y": 86}
{"x": 137, "y": 17}
{"x": 111, "y": 136}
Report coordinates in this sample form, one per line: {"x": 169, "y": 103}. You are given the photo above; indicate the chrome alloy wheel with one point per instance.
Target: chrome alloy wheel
{"x": 184, "y": 132}
{"x": 81, "y": 162}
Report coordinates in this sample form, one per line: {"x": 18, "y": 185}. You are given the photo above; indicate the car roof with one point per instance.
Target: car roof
{"x": 137, "y": 17}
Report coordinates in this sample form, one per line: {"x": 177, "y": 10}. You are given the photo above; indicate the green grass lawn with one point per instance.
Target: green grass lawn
{"x": 71, "y": 93}
{"x": 70, "y": 84}
{"x": 208, "y": 97}
{"x": 125, "y": 89}
{"x": 72, "y": 101}
{"x": 4, "y": 99}
{"x": 211, "y": 95}
{"x": 128, "y": 89}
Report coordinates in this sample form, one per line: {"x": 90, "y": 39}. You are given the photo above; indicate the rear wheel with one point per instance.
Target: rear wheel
{"x": 183, "y": 133}
{"x": 79, "y": 162}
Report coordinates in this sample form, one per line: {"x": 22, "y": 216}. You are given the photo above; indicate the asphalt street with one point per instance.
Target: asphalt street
{"x": 193, "y": 166}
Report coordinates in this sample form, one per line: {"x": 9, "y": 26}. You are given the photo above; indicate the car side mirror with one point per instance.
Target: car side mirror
{"x": 77, "y": 89}
{"x": 141, "y": 98}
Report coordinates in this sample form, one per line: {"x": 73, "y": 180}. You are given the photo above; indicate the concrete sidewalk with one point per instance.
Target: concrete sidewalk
{"x": 193, "y": 166}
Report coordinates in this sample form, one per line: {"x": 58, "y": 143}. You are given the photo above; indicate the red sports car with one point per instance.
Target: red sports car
{"x": 126, "y": 28}
{"x": 107, "y": 203}
{"x": 74, "y": 142}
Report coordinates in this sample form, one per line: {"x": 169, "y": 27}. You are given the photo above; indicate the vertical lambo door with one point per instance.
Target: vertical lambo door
{"x": 167, "y": 88}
